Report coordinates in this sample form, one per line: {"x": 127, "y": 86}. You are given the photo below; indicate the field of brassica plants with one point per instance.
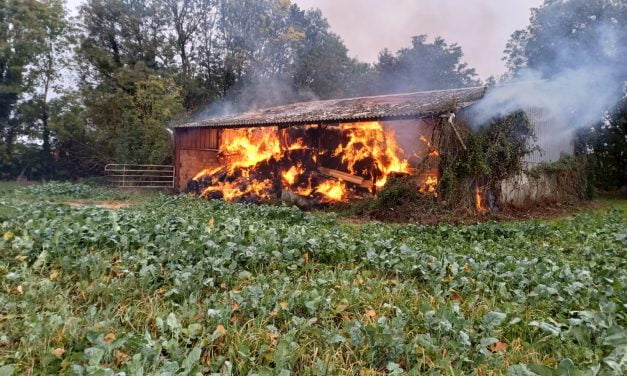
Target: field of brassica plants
{"x": 175, "y": 285}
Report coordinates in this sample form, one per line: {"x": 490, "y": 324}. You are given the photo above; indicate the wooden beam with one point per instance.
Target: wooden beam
{"x": 354, "y": 179}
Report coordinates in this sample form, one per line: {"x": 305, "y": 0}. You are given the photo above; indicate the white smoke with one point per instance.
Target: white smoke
{"x": 579, "y": 87}
{"x": 258, "y": 92}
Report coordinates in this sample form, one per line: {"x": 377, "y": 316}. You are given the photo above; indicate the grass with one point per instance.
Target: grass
{"x": 178, "y": 285}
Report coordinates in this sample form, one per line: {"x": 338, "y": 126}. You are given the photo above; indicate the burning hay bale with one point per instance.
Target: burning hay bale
{"x": 307, "y": 166}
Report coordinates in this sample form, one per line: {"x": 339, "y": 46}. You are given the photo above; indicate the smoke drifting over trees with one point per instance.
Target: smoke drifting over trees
{"x": 569, "y": 61}
{"x": 142, "y": 64}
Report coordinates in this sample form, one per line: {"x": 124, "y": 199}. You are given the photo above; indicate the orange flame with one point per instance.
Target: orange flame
{"x": 368, "y": 151}
{"x": 298, "y": 145}
{"x": 304, "y": 191}
{"x": 430, "y": 185}
{"x": 206, "y": 172}
{"x": 232, "y": 191}
{"x": 249, "y": 146}
{"x": 433, "y": 152}
{"x": 290, "y": 176}
{"x": 479, "y": 200}
{"x": 332, "y": 190}
{"x": 368, "y": 140}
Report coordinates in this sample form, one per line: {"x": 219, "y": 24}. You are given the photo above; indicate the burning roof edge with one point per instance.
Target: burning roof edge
{"x": 382, "y": 107}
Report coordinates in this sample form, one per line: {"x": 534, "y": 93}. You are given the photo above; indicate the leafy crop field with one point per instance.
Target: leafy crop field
{"x": 174, "y": 285}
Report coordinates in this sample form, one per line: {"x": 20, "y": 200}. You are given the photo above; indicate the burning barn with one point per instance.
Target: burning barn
{"x": 321, "y": 151}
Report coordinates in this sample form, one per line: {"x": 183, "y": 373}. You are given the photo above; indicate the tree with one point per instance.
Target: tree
{"x": 192, "y": 26}
{"x": 45, "y": 71}
{"x": 21, "y": 37}
{"x": 423, "y": 66}
{"x": 76, "y": 151}
{"x": 129, "y": 118}
{"x": 130, "y": 93}
{"x": 322, "y": 64}
{"x": 269, "y": 52}
{"x": 121, "y": 33}
{"x": 607, "y": 142}
{"x": 567, "y": 34}
{"x": 586, "y": 36}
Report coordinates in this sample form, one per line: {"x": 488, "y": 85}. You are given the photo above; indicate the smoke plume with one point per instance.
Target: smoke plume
{"x": 578, "y": 85}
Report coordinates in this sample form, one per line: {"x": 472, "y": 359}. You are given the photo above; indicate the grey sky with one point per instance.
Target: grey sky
{"x": 480, "y": 27}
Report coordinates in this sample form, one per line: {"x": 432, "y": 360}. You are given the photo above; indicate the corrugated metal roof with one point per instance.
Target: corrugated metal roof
{"x": 382, "y": 107}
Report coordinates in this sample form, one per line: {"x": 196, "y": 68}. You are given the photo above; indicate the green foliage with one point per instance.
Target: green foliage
{"x": 45, "y": 73}
{"x": 577, "y": 175}
{"x": 189, "y": 286}
{"x": 423, "y": 66}
{"x": 70, "y": 190}
{"x": 397, "y": 192}
{"x": 493, "y": 153}
{"x": 21, "y": 40}
{"x": 37, "y": 35}
{"x": 606, "y": 144}
{"x": 24, "y": 158}
{"x": 398, "y": 201}
{"x": 132, "y": 117}
{"x": 557, "y": 27}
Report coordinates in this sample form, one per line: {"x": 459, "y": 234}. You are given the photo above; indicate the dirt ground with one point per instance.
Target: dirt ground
{"x": 116, "y": 205}
{"x": 539, "y": 210}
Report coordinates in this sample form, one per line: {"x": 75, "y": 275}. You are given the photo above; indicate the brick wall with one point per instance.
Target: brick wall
{"x": 191, "y": 162}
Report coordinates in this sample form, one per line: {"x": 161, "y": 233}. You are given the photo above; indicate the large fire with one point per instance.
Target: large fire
{"x": 369, "y": 141}
{"x": 248, "y": 146}
{"x": 329, "y": 164}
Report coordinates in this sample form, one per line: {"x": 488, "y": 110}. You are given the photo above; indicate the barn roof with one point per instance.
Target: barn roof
{"x": 395, "y": 106}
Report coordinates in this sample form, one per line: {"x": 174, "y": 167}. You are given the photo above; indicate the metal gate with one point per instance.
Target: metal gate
{"x": 140, "y": 176}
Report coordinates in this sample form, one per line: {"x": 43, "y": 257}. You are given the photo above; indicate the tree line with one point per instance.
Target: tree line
{"x": 81, "y": 90}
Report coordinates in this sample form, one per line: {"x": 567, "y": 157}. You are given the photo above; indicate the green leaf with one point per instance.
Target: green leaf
{"x": 567, "y": 368}
{"x": 282, "y": 354}
{"x": 94, "y": 355}
{"x": 541, "y": 370}
{"x": 493, "y": 319}
{"x": 519, "y": 370}
{"x": 41, "y": 259}
{"x": 172, "y": 322}
{"x": 488, "y": 341}
{"x": 7, "y": 370}
{"x": 194, "y": 330}
{"x": 192, "y": 358}
{"x": 464, "y": 339}
{"x": 394, "y": 369}
{"x": 546, "y": 327}
{"x": 616, "y": 339}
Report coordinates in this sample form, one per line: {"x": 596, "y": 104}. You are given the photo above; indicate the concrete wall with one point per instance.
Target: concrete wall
{"x": 523, "y": 188}
{"x": 554, "y": 138}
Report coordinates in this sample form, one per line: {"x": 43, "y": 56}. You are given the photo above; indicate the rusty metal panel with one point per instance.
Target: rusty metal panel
{"x": 384, "y": 107}
{"x": 197, "y": 139}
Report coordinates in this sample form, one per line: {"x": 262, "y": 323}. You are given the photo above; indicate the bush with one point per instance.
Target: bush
{"x": 399, "y": 191}
{"x": 575, "y": 175}
{"x": 398, "y": 201}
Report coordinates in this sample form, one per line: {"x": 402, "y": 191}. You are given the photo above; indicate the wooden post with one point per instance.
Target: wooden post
{"x": 459, "y": 137}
